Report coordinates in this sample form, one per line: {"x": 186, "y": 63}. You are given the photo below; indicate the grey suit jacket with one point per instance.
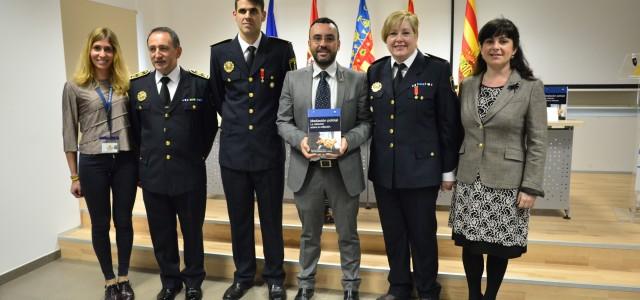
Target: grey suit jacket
{"x": 509, "y": 149}
{"x": 355, "y": 119}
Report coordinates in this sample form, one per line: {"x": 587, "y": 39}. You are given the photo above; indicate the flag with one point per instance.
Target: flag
{"x": 314, "y": 16}
{"x": 470, "y": 46}
{"x": 410, "y": 8}
{"x": 271, "y": 21}
{"x": 362, "y": 52}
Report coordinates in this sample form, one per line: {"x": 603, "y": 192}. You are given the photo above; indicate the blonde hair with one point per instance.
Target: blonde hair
{"x": 395, "y": 19}
{"x": 85, "y": 73}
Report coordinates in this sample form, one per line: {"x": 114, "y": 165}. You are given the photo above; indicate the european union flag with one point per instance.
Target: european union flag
{"x": 271, "y": 21}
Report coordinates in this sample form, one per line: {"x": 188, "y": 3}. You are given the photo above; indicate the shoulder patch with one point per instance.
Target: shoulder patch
{"x": 221, "y": 42}
{"x": 139, "y": 74}
{"x": 199, "y": 74}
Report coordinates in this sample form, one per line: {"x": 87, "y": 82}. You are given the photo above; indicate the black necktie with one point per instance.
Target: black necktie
{"x": 323, "y": 94}
{"x": 164, "y": 90}
{"x": 252, "y": 54}
{"x": 398, "y": 79}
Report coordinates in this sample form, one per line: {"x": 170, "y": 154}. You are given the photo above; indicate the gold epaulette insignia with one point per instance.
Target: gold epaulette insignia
{"x": 199, "y": 74}
{"x": 139, "y": 74}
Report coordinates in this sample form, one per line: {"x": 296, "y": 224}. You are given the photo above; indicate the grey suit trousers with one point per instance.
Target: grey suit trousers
{"x": 326, "y": 183}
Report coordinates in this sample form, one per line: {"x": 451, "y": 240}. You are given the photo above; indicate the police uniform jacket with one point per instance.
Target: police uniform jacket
{"x": 416, "y": 134}
{"x": 173, "y": 142}
{"x": 248, "y": 102}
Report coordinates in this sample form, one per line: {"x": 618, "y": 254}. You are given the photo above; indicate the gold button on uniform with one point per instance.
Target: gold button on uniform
{"x": 250, "y": 95}
{"x": 166, "y": 115}
{"x": 250, "y": 110}
{"x": 432, "y": 154}
{"x": 393, "y": 102}
{"x": 167, "y": 143}
{"x": 392, "y": 116}
{"x": 250, "y": 79}
{"x": 168, "y": 157}
{"x": 164, "y": 129}
{"x": 391, "y": 131}
{"x": 390, "y": 145}
{"x": 193, "y": 106}
{"x": 481, "y": 145}
{"x": 250, "y": 127}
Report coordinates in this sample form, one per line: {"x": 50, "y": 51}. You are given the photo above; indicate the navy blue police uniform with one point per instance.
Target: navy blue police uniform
{"x": 252, "y": 154}
{"x": 416, "y": 135}
{"x": 173, "y": 142}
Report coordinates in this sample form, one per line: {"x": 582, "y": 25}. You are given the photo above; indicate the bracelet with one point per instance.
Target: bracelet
{"x": 75, "y": 178}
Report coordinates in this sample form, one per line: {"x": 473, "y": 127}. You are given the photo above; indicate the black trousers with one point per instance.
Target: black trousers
{"x": 239, "y": 188}
{"x": 161, "y": 213}
{"x": 102, "y": 175}
{"x": 409, "y": 227}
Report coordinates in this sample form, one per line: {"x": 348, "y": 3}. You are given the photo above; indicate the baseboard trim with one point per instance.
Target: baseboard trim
{"x": 28, "y": 267}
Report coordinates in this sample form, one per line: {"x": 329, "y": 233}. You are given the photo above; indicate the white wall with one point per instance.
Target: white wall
{"x": 200, "y": 23}
{"x": 35, "y": 204}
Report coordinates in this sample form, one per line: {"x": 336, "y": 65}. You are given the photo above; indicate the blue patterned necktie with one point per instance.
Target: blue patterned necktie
{"x": 323, "y": 94}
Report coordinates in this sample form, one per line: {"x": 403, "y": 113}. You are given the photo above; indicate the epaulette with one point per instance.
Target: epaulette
{"x": 378, "y": 60}
{"x": 279, "y": 40}
{"x": 221, "y": 42}
{"x": 435, "y": 57}
{"x": 139, "y": 74}
{"x": 199, "y": 74}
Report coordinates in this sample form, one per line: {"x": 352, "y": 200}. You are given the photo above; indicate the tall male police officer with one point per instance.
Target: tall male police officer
{"x": 174, "y": 123}
{"x": 246, "y": 75}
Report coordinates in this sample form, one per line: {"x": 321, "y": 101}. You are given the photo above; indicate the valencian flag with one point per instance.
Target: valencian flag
{"x": 271, "y": 21}
{"x": 410, "y": 8}
{"x": 362, "y": 52}
{"x": 470, "y": 45}
{"x": 313, "y": 17}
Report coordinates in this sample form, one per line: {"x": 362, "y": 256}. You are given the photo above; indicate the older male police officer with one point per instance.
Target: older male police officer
{"x": 246, "y": 76}
{"x": 174, "y": 124}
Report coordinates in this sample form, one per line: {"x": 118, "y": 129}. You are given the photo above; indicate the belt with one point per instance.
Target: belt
{"x": 324, "y": 163}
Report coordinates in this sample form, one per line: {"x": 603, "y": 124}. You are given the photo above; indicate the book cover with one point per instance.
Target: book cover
{"x": 324, "y": 130}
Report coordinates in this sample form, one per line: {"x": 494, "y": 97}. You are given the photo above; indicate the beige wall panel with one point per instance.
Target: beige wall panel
{"x": 79, "y": 17}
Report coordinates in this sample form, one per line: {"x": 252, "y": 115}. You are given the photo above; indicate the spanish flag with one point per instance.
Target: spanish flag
{"x": 313, "y": 17}
{"x": 362, "y": 51}
{"x": 470, "y": 45}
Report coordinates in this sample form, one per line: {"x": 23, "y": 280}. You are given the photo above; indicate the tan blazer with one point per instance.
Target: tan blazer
{"x": 509, "y": 149}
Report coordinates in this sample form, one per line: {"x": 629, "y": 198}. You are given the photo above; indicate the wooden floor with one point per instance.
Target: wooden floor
{"x": 594, "y": 255}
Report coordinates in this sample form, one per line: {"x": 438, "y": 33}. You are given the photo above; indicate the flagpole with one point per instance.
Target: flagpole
{"x": 451, "y": 38}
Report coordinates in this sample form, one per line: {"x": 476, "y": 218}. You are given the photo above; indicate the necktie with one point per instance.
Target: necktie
{"x": 164, "y": 90}
{"x": 252, "y": 54}
{"x": 398, "y": 79}
{"x": 323, "y": 94}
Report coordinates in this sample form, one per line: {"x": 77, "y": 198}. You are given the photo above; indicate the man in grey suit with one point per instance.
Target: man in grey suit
{"x": 337, "y": 177}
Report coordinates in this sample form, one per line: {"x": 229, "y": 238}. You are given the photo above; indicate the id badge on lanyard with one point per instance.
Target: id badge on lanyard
{"x": 110, "y": 143}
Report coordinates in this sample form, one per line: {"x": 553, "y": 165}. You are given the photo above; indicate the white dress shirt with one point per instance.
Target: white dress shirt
{"x": 172, "y": 85}
{"x": 331, "y": 80}
{"x": 245, "y": 46}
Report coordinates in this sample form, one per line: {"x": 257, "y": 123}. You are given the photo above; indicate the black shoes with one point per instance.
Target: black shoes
{"x": 236, "y": 291}
{"x": 351, "y": 295}
{"x": 169, "y": 293}
{"x": 193, "y": 294}
{"x": 125, "y": 291}
{"x": 304, "y": 294}
{"x": 111, "y": 292}
{"x": 277, "y": 292}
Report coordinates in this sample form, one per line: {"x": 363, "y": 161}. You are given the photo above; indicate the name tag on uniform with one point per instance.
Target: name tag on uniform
{"x": 110, "y": 144}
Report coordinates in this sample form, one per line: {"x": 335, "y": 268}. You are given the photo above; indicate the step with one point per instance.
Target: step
{"x": 574, "y": 249}
{"x": 524, "y": 280}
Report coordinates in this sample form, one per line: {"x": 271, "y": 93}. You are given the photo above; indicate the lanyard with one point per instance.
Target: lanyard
{"x": 107, "y": 105}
